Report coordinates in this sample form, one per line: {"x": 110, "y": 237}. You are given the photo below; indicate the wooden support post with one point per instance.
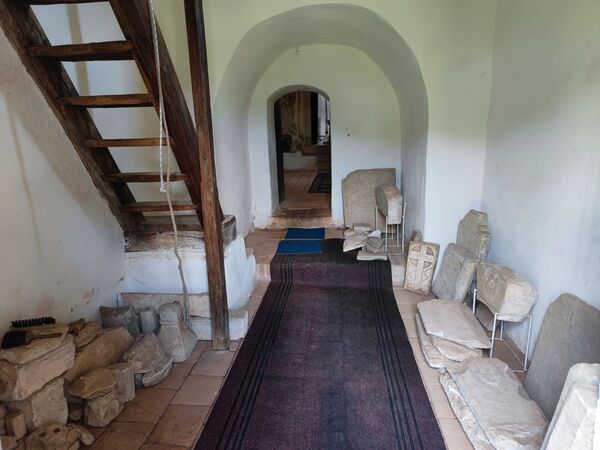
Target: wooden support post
{"x": 209, "y": 195}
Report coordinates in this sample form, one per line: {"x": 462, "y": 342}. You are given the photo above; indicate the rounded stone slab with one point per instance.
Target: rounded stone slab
{"x": 159, "y": 373}
{"x": 95, "y": 383}
{"x": 37, "y": 348}
{"x": 505, "y": 292}
{"x": 454, "y": 322}
{"x": 145, "y": 354}
{"x": 420, "y": 266}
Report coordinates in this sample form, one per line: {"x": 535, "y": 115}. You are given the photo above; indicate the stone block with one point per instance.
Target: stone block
{"x": 389, "y": 202}
{"x": 106, "y": 349}
{"x": 148, "y": 319}
{"x": 15, "y": 424}
{"x": 44, "y": 406}
{"x": 175, "y": 338}
{"x": 473, "y": 234}
{"x": 159, "y": 373}
{"x": 420, "y": 266}
{"x": 199, "y": 303}
{"x": 101, "y": 411}
{"x": 123, "y": 316}
{"x": 145, "y": 354}
{"x": 238, "y": 325}
{"x": 8, "y": 442}
{"x": 87, "y": 334}
{"x": 53, "y": 436}
{"x": 358, "y": 194}
{"x": 456, "y": 274}
{"x": 364, "y": 255}
{"x": 95, "y": 383}
{"x": 570, "y": 334}
{"x": 19, "y": 381}
{"x": 505, "y": 292}
{"x": 123, "y": 373}
{"x": 37, "y": 348}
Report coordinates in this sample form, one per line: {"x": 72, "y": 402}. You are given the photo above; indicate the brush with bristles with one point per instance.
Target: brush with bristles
{"x": 28, "y": 323}
{"x": 18, "y": 338}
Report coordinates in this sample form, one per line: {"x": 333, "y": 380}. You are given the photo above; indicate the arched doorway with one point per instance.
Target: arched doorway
{"x": 302, "y": 132}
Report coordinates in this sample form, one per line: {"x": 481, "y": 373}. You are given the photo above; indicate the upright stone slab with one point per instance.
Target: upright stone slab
{"x": 358, "y": 194}
{"x": 505, "y": 292}
{"x": 106, "y": 349}
{"x": 570, "y": 334}
{"x": 175, "y": 338}
{"x": 19, "y": 381}
{"x": 456, "y": 274}
{"x": 420, "y": 266}
{"x": 123, "y": 316}
{"x": 44, "y": 406}
{"x": 473, "y": 234}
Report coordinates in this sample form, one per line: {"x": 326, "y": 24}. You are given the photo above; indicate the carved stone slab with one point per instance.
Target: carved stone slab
{"x": 570, "y": 334}
{"x": 420, "y": 266}
{"x": 456, "y": 274}
{"x": 358, "y": 193}
{"x": 389, "y": 202}
{"x": 505, "y": 291}
{"x": 473, "y": 234}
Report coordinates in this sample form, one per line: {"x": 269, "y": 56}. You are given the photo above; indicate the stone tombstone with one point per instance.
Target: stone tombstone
{"x": 176, "y": 339}
{"x": 358, "y": 194}
{"x": 420, "y": 266}
{"x": 570, "y": 334}
{"x": 456, "y": 274}
{"x": 504, "y": 291}
{"x": 123, "y": 316}
{"x": 473, "y": 234}
{"x": 106, "y": 349}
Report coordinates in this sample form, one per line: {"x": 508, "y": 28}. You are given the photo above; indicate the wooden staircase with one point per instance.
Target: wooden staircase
{"x": 44, "y": 63}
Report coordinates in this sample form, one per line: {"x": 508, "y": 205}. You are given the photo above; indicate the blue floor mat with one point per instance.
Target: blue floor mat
{"x": 305, "y": 233}
{"x": 299, "y": 246}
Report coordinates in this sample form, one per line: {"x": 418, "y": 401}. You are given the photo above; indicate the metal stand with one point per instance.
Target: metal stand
{"x": 501, "y": 338}
{"x": 398, "y": 227}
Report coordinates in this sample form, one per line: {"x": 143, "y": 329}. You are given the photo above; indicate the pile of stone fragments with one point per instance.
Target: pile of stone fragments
{"x": 51, "y": 388}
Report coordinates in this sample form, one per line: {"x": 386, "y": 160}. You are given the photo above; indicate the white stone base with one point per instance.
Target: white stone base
{"x": 238, "y": 325}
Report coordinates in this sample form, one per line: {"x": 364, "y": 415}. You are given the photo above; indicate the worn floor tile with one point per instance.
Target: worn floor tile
{"x": 201, "y": 347}
{"x": 131, "y": 427}
{"x": 198, "y": 390}
{"x": 147, "y": 406}
{"x": 161, "y": 447}
{"x": 213, "y": 364}
{"x": 176, "y": 377}
{"x": 119, "y": 441}
{"x": 455, "y": 437}
{"x": 406, "y": 297}
{"x": 234, "y": 345}
{"x": 180, "y": 425}
{"x": 440, "y": 403}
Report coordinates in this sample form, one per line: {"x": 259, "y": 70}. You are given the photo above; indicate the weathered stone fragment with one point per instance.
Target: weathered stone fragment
{"x": 473, "y": 234}
{"x": 38, "y": 347}
{"x": 358, "y": 194}
{"x": 420, "y": 266}
{"x": 159, "y": 373}
{"x": 85, "y": 437}
{"x": 53, "y": 436}
{"x": 456, "y": 274}
{"x": 145, "y": 354}
{"x": 15, "y": 424}
{"x": 44, "y": 406}
{"x": 3, "y": 413}
{"x": 389, "y": 202}
{"x": 375, "y": 245}
{"x": 76, "y": 326}
{"x": 106, "y": 349}
{"x": 101, "y": 411}
{"x": 19, "y": 381}
{"x": 95, "y": 383}
{"x": 123, "y": 316}
{"x": 364, "y": 255}
{"x": 8, "y": 442}
{"x": 86, "y": 334}
{"x": 355, "y": 241}
{"x": 148, "y": 319}
{"x": 455, "y": 352}
{"x": 505, "y": 292}
{"x": 75, "y": 411}
{"x": 123, "y": 373}
{"x": 176, "y": 339}
{"x": 454, "y": 322}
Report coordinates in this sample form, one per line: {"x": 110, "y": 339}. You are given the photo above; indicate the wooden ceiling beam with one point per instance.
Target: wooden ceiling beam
{"x": 109, "y": 101}
{"x": 93, "y": 51}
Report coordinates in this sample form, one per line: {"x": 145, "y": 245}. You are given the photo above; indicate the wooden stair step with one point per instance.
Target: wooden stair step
{"x": 158, "y": 206}
{"x": 109, "y": 101}
{"x": 143, "y": 177}
{"x": 93, "y": 51}
{"x": 135, "y": 142}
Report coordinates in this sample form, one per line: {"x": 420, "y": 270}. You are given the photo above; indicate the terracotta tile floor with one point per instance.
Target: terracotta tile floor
{"x": 297, "y": 198}
{"x": 171, "y": 415}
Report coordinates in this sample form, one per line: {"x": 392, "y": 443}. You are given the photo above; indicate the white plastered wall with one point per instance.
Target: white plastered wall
{"x": 364, "y": 115}
{"x": 62, "y": 249}
{"x": 542, "y": 173}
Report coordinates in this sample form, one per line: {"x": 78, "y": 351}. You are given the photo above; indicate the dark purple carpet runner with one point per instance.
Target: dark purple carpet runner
{"x": 326, "y": 364}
